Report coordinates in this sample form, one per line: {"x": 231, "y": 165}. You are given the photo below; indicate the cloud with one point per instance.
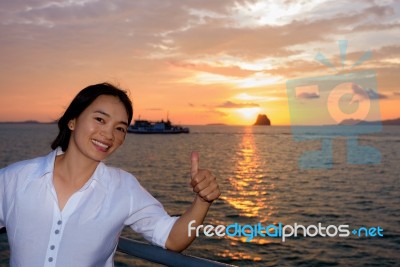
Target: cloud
{"x": 367, "y": 93}
{"x": 213, "y": 46}
{"x": 215, "y": 68}
{"x": 387, "y": 52}
{"x": 307, "y": 95}
{"x": 189, "y": 29}
{"x": 154, "y": 109}
{"x": 258, "y": 98}
{"x": 375, "y": 95}
{"x": 307, "y": 92}
{"x": 230, "y": 104}
{"x": 217, "y": 112}
{"x": 218, "y": 35}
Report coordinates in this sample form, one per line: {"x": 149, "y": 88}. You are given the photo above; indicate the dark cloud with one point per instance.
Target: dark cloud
{"x": 230, "y": 104}
{"x": 307, "y": 95}
{"x": 375, "y": 95}
{"x": 367, "y": 93}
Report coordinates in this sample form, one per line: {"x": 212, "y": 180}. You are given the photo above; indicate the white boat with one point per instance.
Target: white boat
{"x": 159, "y": 127}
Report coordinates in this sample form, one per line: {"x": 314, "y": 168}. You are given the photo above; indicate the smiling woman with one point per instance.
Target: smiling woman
{"x": 79, "y": 204}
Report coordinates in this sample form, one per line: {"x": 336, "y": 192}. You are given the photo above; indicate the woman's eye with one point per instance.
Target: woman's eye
{"x": 99, "y": 119}
{"x": 121, "y": 129}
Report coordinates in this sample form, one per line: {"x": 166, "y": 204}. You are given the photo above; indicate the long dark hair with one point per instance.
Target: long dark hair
{"x": 81, "y": 101}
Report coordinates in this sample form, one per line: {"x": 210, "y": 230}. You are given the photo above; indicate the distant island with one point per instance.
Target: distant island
{"x": 26, "y": 122}
{"x": 361, "y": 122}
{"x": 263, "y": 119}
{"x": 21, "y": 122}
{"x": 216, "y": 124}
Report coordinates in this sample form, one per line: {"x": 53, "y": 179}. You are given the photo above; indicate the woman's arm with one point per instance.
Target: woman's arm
{"x": 205, "y": 186}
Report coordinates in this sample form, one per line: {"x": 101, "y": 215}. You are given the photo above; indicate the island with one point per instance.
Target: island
{"x": 362, "y": 122}
{"x": 263, "y": 119}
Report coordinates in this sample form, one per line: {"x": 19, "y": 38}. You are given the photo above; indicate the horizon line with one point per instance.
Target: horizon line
{"x": 208, "y": 124}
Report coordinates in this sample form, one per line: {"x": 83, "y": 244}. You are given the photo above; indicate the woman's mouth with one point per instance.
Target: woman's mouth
{"x": 101, "y": 146}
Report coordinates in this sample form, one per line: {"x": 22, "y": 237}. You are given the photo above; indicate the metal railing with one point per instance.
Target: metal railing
{"x": 159, "y": 255}
{"x": 163, "y": 256}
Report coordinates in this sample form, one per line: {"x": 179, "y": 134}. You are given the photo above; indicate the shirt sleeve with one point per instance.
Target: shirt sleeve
{"x": 148, "y": 217}
{"x": 2, "y": 196}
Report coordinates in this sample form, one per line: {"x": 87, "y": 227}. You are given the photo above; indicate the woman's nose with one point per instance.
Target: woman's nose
{"x": 108, "y": 132}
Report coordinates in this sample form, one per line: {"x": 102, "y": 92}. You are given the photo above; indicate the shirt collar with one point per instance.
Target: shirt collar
{"x": 47, "y": 162}
{"x": 47, "y": 166}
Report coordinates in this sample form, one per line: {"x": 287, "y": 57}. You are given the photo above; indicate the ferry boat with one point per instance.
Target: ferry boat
{"x": 159, "y": 127}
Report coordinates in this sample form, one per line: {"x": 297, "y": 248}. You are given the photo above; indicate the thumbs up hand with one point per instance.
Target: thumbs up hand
{"x": 203, "y": 182}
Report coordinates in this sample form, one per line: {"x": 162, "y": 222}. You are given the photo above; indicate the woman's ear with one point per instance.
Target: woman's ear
{"x": 71, "y": 124}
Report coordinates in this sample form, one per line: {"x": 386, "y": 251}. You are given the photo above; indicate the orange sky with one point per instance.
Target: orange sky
{"x": 199, "y": 61}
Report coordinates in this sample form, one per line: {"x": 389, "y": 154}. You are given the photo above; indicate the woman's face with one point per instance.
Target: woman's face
{"x": 100, "y": 129}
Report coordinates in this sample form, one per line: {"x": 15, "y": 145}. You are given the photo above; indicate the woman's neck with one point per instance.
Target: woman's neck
{"x": 74, "y": 168}
{"x": 71, "y": 172}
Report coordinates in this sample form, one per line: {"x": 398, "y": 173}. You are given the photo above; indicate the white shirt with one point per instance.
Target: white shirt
{"x": 85, "y": 233}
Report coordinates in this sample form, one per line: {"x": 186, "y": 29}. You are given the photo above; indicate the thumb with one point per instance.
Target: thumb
{"x": 195, "y": 163}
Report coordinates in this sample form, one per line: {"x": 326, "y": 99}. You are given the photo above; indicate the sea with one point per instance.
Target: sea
{"x": 262, "y": 184}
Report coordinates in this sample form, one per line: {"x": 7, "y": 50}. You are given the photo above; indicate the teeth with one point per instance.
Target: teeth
{"x": 100, "y": 144}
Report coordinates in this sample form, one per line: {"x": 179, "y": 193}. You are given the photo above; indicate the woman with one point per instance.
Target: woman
{"x": 68, "y": 208}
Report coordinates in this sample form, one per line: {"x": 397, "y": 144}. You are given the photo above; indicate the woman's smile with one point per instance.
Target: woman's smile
{"x": 101, "y": 146}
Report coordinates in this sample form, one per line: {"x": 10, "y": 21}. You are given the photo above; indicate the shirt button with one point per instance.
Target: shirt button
{"x": 59, "y": 222}
{"x": 50, "y": 259}
{"x": 57, "y": 232}
{"x": 52, "y": 247}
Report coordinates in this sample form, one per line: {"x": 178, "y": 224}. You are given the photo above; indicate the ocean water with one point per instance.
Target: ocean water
{"x": 260, "y": 179}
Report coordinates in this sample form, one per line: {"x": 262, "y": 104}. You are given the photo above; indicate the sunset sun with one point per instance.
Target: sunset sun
{"x": 249, "y": 113}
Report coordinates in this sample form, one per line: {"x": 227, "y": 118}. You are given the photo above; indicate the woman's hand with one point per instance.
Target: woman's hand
{"x": 203, "y": 182}
{"x": 205, "y": 186}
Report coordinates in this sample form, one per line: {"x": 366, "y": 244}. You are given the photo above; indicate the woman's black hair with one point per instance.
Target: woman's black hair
{"x": 81, "y": 101}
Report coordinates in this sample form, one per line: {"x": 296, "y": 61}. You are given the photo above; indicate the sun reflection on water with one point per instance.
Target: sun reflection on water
{"x": 251, "y": 197}
{"x": 250, "y": 194}
{"x": 239, "y": 256}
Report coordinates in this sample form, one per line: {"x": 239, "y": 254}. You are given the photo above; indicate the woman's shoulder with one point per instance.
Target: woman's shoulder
{"x": 118, "y": 177}
{"x": 27, "y": 165}
{"x": 20, "y": 173}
